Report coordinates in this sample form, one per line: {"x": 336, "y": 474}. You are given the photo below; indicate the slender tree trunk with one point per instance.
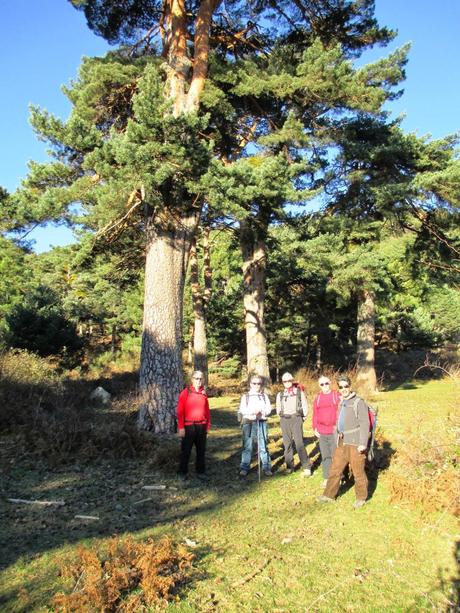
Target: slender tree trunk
{"x": 318, "y": 361}
{"x": 200, "y": 299}
{"x": 161, "y": 377}
{"x": 114, "y": 339}
{"x": 254, "y": 273}
{"x": 308, "y": 343}
{"x": 365, "y": 346}
{"x": 190, "y": 346}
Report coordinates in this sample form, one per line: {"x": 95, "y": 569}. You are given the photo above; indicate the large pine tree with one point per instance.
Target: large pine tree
{"x": 156, "y": 124}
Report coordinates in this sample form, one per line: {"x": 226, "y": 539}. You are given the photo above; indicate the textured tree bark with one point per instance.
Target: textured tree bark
{"x": 161, "y": 377}
{"x": 253, "y": 250}
{"x": 168, "y": 242}
{"x": 201, "y": 58}
{"x": 366, "y": 379}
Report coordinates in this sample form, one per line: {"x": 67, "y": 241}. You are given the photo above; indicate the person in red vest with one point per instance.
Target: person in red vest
{"x": 325, "y": 413}
{"x": 193, "y": 423}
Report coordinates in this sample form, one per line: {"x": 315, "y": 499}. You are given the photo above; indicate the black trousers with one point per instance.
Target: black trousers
{"x": 194, "y": 435}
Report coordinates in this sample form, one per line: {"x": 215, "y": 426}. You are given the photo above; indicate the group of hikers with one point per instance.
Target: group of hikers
{"x": 341, "y": 423}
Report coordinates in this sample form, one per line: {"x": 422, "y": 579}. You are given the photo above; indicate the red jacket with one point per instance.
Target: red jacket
{"x": 193, "y": 407}
{"x": 325, "y": 407}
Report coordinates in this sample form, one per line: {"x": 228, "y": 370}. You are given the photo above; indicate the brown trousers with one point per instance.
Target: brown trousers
{"x": 343, "y": 455}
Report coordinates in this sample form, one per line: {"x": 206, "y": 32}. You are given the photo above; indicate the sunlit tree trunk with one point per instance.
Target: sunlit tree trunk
{"x": 161, "y": 377}
{"x": 168, "y": 244}
{"x": 201, "y": 294}
{"x": 365, "y": 347}
{"x": 254, "y": 254}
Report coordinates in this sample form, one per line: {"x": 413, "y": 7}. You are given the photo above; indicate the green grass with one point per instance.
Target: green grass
{"x": 259, "y": 547}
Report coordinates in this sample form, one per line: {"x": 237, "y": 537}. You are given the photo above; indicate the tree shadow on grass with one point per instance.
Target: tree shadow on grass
{"x": 455, "y": 604}
{"x": 108, "y": 484}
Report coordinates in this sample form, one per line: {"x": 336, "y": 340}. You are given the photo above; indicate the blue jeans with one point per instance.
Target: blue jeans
{"x": 249, "y": 432}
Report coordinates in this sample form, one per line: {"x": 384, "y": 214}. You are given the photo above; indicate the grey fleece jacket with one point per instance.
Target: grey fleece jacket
{"x": 355, "y": 431}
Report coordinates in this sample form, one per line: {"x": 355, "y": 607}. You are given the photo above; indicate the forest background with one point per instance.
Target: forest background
{"x": 330, "y": 245}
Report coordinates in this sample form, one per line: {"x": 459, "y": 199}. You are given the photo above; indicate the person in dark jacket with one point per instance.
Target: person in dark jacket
{"x": 352, "y": 441}
{"x": 292, "y": 407}
{"x": 193, "y": 423}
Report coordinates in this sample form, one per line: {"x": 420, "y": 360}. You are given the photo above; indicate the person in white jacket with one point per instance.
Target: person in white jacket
{"x": 253, "y": 412}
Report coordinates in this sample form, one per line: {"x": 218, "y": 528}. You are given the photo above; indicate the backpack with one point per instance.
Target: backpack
{"x": 372, "y": 414}
{"x": 299, "y": 389}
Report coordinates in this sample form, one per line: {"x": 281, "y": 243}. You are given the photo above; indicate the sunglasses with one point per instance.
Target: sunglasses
{"x": 256, "y": 383}
{"x": 343, "y": 387}
{"x": 323, "y": 384}
{"x": 288, "y": 380}
{"x": 197, "y": 378}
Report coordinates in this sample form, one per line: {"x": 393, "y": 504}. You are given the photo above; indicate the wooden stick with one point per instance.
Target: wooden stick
{"x": 86, "y": 517}
{"x": 43, "y": 503}
{"x": 154, "y": 487}
{"x": 142, "y": 500}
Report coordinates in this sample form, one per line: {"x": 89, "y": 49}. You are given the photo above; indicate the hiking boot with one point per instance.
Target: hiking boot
{"x": 202, "y": 477}
{"x": 289, "y": 471}
{"x": 324, "y": 499}
{"x": 306, "y": 472}
{"x": 268, "y": 472}
{"x": 243, "y": 473}
{"x": 359, "y": 503}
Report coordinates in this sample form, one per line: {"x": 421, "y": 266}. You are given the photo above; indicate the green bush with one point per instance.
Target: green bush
{"x": 38, "y": 324}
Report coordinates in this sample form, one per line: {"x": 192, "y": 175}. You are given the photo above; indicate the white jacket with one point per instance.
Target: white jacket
{"x": 252, "y": 404}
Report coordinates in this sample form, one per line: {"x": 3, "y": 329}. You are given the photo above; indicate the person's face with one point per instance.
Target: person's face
{"x": 287, "y": 383}
{"x": 197, "y": 381}
{"x": 324, "y": 385}
{"x": 256, "y": 385}
{"x": 344, "y": 389}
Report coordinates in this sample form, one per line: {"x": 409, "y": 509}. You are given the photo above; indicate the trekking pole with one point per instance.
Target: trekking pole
{"x": 258, "y": 450}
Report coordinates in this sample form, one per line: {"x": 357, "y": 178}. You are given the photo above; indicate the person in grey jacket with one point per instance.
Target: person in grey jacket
{"x": 353, "y": 438}
{"x": 291, "y": 406}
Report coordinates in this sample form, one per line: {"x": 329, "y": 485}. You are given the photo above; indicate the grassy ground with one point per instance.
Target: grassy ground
{"x": 258, "y": 547}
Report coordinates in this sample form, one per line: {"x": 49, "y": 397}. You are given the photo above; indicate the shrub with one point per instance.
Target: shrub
{"x": 426, "y": 473}
{"x": 52, "y": 418}
{"x": 39, "y": 325}
{"x": 129, "y": 576}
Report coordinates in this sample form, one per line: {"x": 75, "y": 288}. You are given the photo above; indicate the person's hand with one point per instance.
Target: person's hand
{"x": 181, "y": 432}
{"x": 259, "y": 415}
{"x": 361, "y": 448}
{"x": 317, "y": 434}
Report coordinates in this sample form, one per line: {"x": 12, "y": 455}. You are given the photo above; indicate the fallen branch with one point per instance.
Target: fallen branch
{"x": 142, "y": 500}
{"x": 154, "y": 487}
{"x": 86, "y": 517}
{"x": 43, "y": 503}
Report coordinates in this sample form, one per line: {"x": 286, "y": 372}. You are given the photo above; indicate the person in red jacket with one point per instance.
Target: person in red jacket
{"x": 193, "y": 423}
{"x": 325, "y": 409}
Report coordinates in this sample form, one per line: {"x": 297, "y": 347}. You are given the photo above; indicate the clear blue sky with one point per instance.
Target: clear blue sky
{"x": 42, "y": 43}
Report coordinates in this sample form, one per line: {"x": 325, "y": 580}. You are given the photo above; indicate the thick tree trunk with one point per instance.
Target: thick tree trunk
{"x": 366, "y": 378}
{"x": 161, "y": 377}
{"x": 253, "y": 250}
{"x": 168, "y": 243}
